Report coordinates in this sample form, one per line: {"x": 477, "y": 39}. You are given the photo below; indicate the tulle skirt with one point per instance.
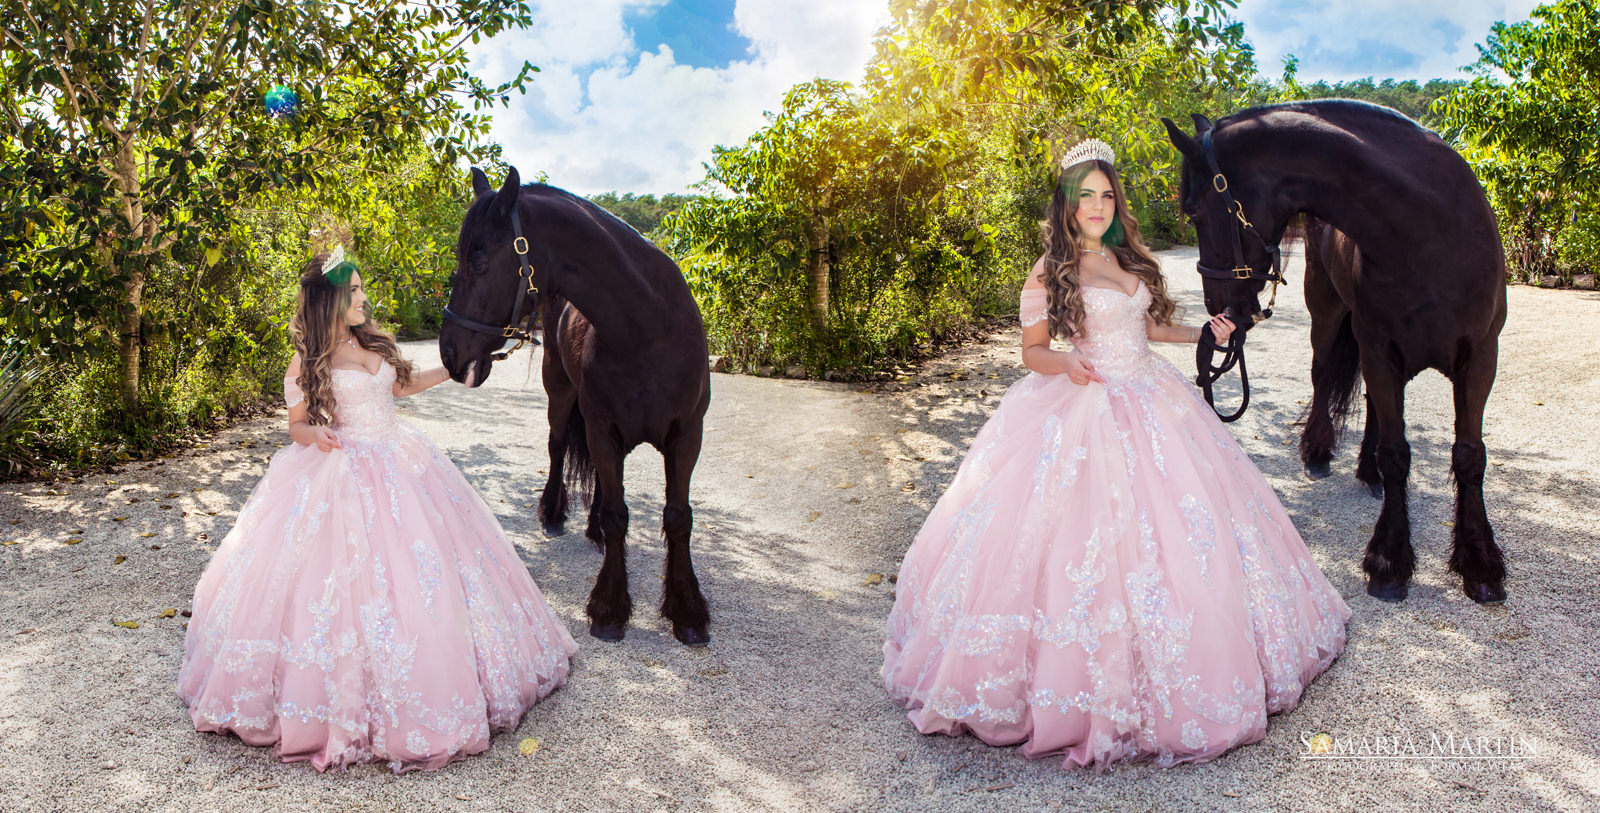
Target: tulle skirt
{"x": 367, "y": 606}
{"x": 1108, "y": 578}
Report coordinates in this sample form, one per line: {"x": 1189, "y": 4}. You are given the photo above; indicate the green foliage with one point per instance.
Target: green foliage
{"x": 1578, "y": 248}
{"x": 830, "y": 186}
{"x": 1051, "y": 75}
{"x": 1531, "y": 138}
{"x": 643, "y": 212}
{"x": 1410, "y": 97}
{"x": 134, "y": 131}
{"x": 402, "y": 224}
{"x": 153, "y": 217}
{"x": 19, "y": 371}
{"x": 861, "y": 225}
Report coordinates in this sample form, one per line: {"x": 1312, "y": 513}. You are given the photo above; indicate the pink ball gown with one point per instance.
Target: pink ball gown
{"x": 367, "y": 605}
{"x": 1108, "y": 577}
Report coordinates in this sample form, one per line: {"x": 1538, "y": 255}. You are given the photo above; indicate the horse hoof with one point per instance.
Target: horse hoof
{"x": 1387, "y": 591}
{"x": 555, "y": 529}
{"x": 606, "y": 632}
{"x": 691, "y": 636}
{"x": 1317, "y": 471}
{"x": 1376, "y": 489}
{"x": 1485, "y": 593}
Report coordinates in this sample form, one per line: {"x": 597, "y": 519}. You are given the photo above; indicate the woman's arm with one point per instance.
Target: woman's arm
{"x": 421, "y": 381}
{"x": 1221, "y": 328}
{"x": 300, "y": 429}
{"x": 1038, "y": 356}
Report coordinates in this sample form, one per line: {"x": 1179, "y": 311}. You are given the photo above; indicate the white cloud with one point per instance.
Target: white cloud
{"x": 1340, "y": 40}
{"x": 602, "y": 115}
{"x": 807, "y": 38}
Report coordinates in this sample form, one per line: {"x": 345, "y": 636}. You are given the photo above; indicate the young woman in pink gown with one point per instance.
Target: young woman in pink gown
{"x": 1108, "y": 577}
{"x": 367, "y": 605}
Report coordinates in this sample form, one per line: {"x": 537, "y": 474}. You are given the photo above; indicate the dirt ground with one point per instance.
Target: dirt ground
{"x": 805, "y": 492}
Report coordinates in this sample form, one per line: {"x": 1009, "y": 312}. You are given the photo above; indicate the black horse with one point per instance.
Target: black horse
{"x": 624, "y": 364}
{"x": 1405, "y": 271}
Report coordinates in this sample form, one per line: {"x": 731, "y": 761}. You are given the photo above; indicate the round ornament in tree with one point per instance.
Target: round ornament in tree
{"x": 282, "y": 102}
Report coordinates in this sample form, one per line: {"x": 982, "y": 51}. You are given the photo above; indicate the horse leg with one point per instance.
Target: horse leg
{"x": 1474, "y": 554}
{"x": 681, "y": 600}
{"x": 609, "y": 603}
{"x": 553, "y": 501}
{"x": 595, "y": 531}
{"x": 1389, "y": 560}
{"x": 1335, "y": 367}
{"x": 1367, "y": 460}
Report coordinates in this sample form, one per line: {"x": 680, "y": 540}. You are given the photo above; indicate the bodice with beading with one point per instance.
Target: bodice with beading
{"x": 363, "y": 403}
{"x": 1113, "y": 335}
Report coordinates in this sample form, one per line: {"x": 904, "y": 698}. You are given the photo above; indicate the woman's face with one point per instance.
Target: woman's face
{"x": 1096, "y": 206}
{"x": 356, "y": 314}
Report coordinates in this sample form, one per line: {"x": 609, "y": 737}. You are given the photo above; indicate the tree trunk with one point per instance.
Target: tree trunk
{"x": 126, "y": 173}
{"x": 817, "y": 274}
{"x": 133, "y": 293}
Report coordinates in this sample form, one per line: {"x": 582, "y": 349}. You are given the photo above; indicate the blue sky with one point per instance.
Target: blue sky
{"x": 1339, "y": 40}
{"x": 633, "y": 94}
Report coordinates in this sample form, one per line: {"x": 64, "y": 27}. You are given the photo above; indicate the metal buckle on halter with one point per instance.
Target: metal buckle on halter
{"x": 509, "y": 332}
{"x": 1219, "y": 183}
{"x": 1243, "y": 272}
{"x": 1238, "y": 211}
{"x": 520, "y": 244}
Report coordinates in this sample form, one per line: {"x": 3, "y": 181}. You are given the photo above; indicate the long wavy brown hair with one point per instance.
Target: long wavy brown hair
{"x": 1062, "y": 251}
{"x": 316, "y": 322}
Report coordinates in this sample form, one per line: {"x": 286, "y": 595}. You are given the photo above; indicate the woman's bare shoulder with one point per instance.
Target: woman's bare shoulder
{"x": 1036, "y": 275}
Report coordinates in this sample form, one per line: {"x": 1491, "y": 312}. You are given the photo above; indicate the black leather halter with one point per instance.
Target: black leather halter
{"x": 1240, "y": 270}
{"x": 1233, "y": 351}
{"x": 521, "y": 326}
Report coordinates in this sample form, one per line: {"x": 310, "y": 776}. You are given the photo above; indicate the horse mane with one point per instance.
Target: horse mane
{"x": 574, "y": 208}
{"x": 1343, "y": 113}
{"x": 616, "y": 226}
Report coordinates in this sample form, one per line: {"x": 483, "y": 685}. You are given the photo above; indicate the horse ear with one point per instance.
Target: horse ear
{"x": 1201, "y": 123}
{"x": 506, "y": 200}
{"x": 480, "y": 183}
{"x": 1183, "y": 141}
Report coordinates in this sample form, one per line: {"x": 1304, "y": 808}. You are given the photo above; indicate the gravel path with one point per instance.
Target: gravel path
{"x": 804, "y": 491}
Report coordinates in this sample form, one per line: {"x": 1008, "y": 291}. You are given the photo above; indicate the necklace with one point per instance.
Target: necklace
{"x": 1100, "y": 251}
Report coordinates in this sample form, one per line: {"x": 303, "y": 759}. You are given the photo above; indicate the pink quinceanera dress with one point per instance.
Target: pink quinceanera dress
{"x": 367, "y": 605}
{"x": 1108, "y": 577}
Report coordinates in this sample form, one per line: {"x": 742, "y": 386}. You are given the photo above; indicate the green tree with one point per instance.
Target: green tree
{"x": 134, "y": 130}
{"x": 834, "y": 212}
{"x": 643, "y": 212}
{"x": 1532, "y": 135}
{"x": 865, "y": 223}
{"x": 1052, "y": 74}
{"x": 1410, "y": 97}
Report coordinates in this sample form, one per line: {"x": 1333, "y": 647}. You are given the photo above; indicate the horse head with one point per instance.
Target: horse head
{"x": 1238, "y": 256}
{"x": 494, "y": 289}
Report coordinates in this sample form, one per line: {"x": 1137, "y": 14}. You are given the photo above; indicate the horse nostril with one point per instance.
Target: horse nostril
{"x": 447, "y": 355}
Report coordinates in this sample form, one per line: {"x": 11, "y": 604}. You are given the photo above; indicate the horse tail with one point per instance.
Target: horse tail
{"x": 578, "y": 465}
{"x": 1339, "y": 374}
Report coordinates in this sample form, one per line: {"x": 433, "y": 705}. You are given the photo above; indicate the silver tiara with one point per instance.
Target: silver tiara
{"x": 333, "y": 260}
{"x": 1089, "y": 149}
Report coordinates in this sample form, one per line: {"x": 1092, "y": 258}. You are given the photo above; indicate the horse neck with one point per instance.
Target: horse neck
{"x": 613, "y": 290}
{"x": 1331, "y": 174}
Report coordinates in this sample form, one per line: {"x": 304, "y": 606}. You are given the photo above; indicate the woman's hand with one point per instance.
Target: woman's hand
{"x": 1221, "y": 328}
{"x": 1080, "y": 370}
{"x": 325, "y": 439}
